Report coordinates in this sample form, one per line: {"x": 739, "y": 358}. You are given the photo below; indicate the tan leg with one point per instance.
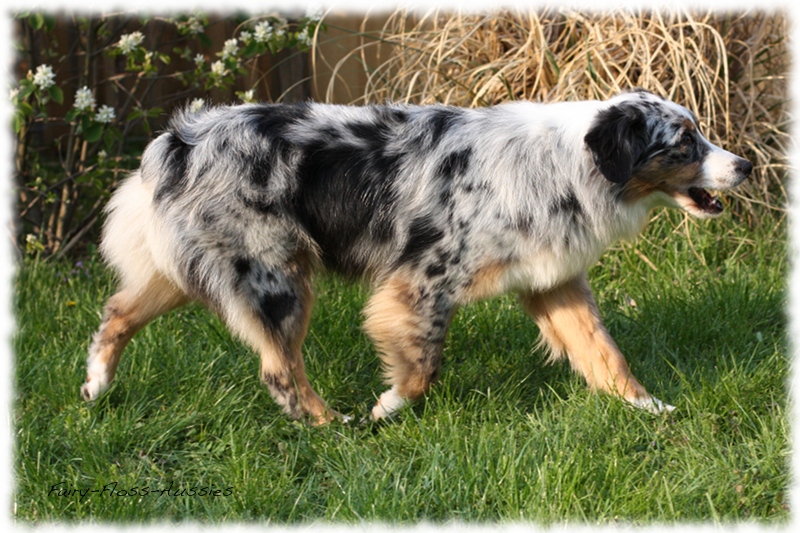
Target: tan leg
{"x": 408, "y": 325}
{"x": 126, "y": 312}
{"x": 571, "y": 325}
{"x": 278, "y": 337}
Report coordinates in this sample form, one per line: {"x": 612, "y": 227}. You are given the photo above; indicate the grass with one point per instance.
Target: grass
{"x": 502, "y": 438}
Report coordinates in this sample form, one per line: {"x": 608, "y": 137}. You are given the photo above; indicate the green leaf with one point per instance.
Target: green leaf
{"x": 18, "y": 122}
{"x": 56, "y": 94}
{"x": 551, "y": 59}
{"x": 112, "y": 137}
{"x": 251, "y": 49}
{"x": 36, "y": 21}
{"x": 93, "y": 132}
{"x": 136, "y": 113}
{"x": 25, "y": 108}
{"x": 72, "y": 114}
{"x": 26, "y": 88}
{"x": 49, "y": 22}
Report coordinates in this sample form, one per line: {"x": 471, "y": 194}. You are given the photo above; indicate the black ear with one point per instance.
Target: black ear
{"x": 617, "y": 138}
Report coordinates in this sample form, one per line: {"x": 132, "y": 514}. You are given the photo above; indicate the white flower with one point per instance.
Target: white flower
{"x": 196, "y": 105}
{"x": 105, "y": 114}
{"x": 83, "y": 99}
{"x": 199, "y": 59}
{"x": 128, "y": 42}
{"x": 44, "y": 77}
{"x": 218, "y": 68}
{"x": 248, "y": 96}
{"x": 263, "y": 31}
{"x": 314, "y": 13}
{"x": 230, "y": 48}
{"x": 304, "y": 38}
{"x": 195, "y": 25}
{"x": 246, "y": 36}
{"x": 13, "y": 93}
{"x": 101, "y": 155}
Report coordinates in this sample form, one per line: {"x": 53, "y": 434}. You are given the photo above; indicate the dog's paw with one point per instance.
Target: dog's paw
{"x": 388, "y": 404}
{"x": 91, "y": 390}
{"x": 652, "y": 405}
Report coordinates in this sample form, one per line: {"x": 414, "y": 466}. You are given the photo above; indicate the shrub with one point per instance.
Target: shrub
{"x": 83, "y": 113}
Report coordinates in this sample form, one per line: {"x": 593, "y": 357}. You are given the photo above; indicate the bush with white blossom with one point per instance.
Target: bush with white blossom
{"x": 101, "y": 125}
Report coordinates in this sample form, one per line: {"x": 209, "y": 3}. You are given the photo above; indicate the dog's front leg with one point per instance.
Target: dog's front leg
{"x": 571, "y": 325}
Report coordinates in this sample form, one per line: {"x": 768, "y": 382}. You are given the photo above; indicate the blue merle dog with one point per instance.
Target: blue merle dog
{"x": 436, "y": 206}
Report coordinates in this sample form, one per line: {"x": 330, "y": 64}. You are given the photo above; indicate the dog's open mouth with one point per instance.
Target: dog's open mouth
{"x": 705, "y": 201}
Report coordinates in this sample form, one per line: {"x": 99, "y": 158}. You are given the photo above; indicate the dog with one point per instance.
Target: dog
{"x": 436, "y": 206}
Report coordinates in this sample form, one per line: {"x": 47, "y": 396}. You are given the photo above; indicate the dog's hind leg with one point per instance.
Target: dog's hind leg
{"x": 126, "y": 312}
{"x": 408, "y": 325}
{"x": 270, "y": 311}
{"x": 570, "y": 324}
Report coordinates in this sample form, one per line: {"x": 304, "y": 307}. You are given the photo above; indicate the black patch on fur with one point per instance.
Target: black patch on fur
{"x": 522, "y": 224}
{"x": 346, "y": 192}
{"x": 242, "y": 267}
{"x": 432, "y": 126}
{"x": 208, "y": 217}
{"x": 260, "y": 204}
{"x": 173, "y": 178}
{"x": 441, "y": 121}
{"x": 435, "y": 270}
{"x": 263, "y": 166}
{"x": 454, "y": 164}
{"x": 617, "y": 139}
{"x": 568, "y": 204}
{"x": 273, "y": 122}
{"x": 446, "y": 198}
{"x": 422, "y": 234}
{"x": 369, "y": 132}
{"x": 275, "y": 307}
{"x": 269, "y": 291}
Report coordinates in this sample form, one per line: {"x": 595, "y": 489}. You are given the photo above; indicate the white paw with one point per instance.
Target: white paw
{"x": 652, "y": 404}
{"x": 96, "y": 382}
{"x": 90, "y": 390}
{"x": 388, "y": 404}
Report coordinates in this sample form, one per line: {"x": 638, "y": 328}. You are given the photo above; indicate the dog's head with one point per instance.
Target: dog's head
{"x": 647, "y": 144}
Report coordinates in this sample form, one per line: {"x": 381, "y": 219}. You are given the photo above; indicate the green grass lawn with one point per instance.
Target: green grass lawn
{"x": 187, "y": 432}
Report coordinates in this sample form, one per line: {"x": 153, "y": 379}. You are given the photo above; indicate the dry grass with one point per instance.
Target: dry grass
{"x": 730, "y": 69}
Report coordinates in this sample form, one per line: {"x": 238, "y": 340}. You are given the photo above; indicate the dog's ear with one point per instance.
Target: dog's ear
{"x": 616, "y": 139}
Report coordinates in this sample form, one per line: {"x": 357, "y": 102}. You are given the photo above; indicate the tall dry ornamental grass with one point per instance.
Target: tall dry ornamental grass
{"x": 729, "y": 69}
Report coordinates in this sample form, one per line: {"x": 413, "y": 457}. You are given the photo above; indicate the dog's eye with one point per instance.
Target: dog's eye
{"x": 687, "y": 139}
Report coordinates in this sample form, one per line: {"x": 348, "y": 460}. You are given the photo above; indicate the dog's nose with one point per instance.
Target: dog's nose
{"x": 745, "y": 167}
